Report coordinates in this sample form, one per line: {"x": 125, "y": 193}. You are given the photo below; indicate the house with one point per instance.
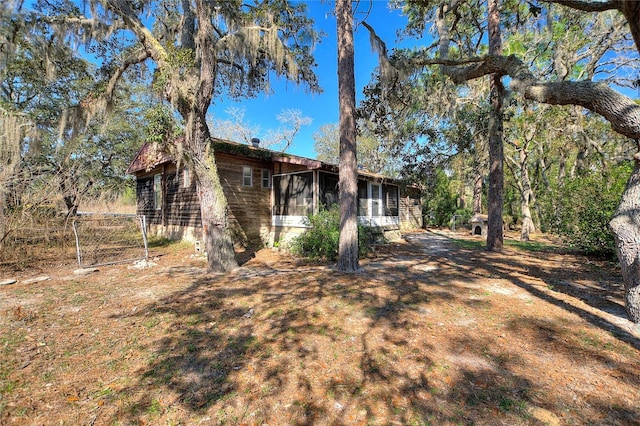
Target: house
{"x": 269, "y": 193}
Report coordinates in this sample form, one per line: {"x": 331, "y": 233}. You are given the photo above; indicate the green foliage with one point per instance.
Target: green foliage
{"x": 440, "y": 202}
{"x": 161, "y": 124}
{"x": 243, "y": 150}
{"x": 586, "y": 206}
{"x": 462, "y": 217}
{"x": 322, "y": 239}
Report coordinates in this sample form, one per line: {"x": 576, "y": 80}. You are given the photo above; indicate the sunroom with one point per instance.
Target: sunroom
{"x": 296, "y": 195}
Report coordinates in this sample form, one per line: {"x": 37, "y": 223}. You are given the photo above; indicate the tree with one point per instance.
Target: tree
{"x": 348, "y": 172}
{"x": 198, "y": 49}
{"x": 622, "y": 112}
{"x": 373, "y": 153}
{"x": 279, "y": 139}
{"x": 53, "y": 152}
{"x": 495, "y": 238}
{"x": 326, "y": 143}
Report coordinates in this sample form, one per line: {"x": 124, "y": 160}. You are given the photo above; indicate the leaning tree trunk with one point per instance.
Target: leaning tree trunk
{"x": 348, "y": 245}
{"x": 215, "y": 217}
{"x": 495, "y": 238}
{"x": 214, "y": 210}
{"x": 625, "y": 226}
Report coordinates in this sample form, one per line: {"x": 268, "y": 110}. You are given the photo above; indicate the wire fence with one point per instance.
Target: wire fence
{"x": 106, "y": 239}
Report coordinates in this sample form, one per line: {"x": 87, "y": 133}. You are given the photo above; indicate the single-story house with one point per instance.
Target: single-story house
{"x": 269, "y": 193}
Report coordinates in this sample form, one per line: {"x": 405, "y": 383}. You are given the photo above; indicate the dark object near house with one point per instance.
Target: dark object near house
{"x": 270, "y": 194}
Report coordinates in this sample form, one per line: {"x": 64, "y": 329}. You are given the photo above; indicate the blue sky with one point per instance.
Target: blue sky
{"x": 322, "y": 108}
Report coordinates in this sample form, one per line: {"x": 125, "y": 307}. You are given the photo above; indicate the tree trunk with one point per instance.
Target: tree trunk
{"x": 526, "y": 196}
{"x": 625, "y": 226}
{"x": 348, "y": 246}
{"x": 478, "y": 177}
{"x": 215, "y": 218}
{"x": 214, "y": 210}
{"x": 495, "y": 239}
{"x": 528, "y": 226}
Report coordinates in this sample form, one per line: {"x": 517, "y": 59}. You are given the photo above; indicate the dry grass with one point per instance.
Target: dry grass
{"x": 428, "y": 333}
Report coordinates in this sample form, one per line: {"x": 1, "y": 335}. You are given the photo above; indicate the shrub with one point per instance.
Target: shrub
{"x": 322, "y": 239}
{"x": 462, "y": 218}
{"x": 587, "y": 204}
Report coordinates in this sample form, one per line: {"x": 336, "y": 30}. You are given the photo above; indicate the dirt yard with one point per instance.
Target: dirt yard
{"x": 433, "y": 331}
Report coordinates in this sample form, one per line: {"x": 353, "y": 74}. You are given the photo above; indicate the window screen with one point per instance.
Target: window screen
{"x": 293, "y": 194}
{"x": 329, "y": 191}
{"x": 390, "y": 200}
{"x": 363, "y": 198}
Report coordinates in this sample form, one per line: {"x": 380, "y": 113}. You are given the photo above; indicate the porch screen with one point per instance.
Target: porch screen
{"x": 329, "y": 191}
{"x": 293, "y": 194}
{"x": 363, "y": 198}
{"x": 390, "y": 200}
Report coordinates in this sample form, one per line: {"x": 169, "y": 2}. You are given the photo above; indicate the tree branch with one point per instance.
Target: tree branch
{"x": 622, "y": 112}
{"x": 587, "y": 5}
{"x": 144, "y": 35}
{"x": 138, "y": 58}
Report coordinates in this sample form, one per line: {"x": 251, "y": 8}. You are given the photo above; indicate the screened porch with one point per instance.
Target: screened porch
{"x": 300, "y": 194}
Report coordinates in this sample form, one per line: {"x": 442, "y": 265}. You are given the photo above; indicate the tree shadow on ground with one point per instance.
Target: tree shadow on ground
{"x": 303, "y": 344}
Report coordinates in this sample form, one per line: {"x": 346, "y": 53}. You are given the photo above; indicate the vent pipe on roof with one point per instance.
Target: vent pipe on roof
{"x": 255, "y": 142}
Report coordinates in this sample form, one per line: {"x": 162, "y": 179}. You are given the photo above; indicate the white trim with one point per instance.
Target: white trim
{"x": 379, "y": 221}
{"x": 290, "y": 221}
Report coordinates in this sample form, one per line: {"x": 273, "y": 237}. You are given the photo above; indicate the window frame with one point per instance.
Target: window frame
{"x": 186, "y": 177}
{"x": 245, "y": 176}
{"x": 266, "y": 178}
{"x": 157, "y": 191}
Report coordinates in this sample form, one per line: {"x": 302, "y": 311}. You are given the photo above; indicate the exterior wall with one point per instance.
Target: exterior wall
{"x": 250, "y": 207}
{"x": 179, "y": 217}
{"x": 410, "y": 209}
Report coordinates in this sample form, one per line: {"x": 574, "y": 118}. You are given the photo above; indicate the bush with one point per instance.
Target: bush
{"x": 321, "y": 241}
{"x": 462, "y": 218}
{"x": 587, "y": 204}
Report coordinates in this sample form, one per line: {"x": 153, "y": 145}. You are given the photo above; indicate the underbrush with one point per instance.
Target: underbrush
{"x": 321, "y": 241}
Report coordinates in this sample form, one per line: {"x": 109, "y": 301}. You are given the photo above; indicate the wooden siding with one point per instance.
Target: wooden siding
{"x": 282, "y": 168}
{"x": 250, "y": 207}
{"x": 410, "y": 208}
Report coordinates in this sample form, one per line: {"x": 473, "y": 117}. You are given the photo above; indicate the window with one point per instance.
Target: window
{"x": 390, "y": 200}
{"x": 293, "y": 194}
{"x": 157, "y": 191}
{"x": 363, "y": 200}
{"x": 266, "y": 179}
{"x": 186, "y": 177}
{"x": 247, "y": 176}
{"x": 329, "y": 190}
